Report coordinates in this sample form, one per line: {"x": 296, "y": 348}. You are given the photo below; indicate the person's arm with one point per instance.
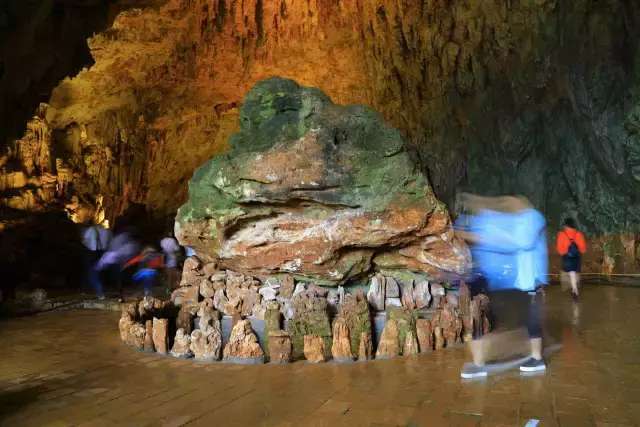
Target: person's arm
{"x": 133, "y": 261}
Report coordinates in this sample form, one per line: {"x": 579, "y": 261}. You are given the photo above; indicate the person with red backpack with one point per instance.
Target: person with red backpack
{"x": 571, "y": 244}
{"x": 149, "y": 263}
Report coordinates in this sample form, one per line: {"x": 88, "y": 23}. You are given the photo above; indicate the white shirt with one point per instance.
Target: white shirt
{"x": 96, "y": 238}
{"x": 170, "y": 247}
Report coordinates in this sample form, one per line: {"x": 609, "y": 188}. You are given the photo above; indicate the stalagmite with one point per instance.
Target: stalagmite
{"x": 365, "y": 350}
{"x": 410, "y": 345}
{"x": 279, "y": 347}
{"x": 181, "y": 345}
{"x": 425, "y": 335}
{"x": 341, "y": 348}
{"x": 148, "y": 337}
{"x": 388, "y": 347}
{"x": 161, "y": 335}
{"x": 243, "y": 346}
{"x": 314, "y": 349}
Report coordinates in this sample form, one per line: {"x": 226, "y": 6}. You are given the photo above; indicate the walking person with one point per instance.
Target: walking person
{"x": 122, "y": 248}
{"x": 149, "y": 262}
{"x": 171, "y": 250}
{"x": 509, "y": 249}
{"x": 571, "y": 245}
{"x": 95, "y": 239}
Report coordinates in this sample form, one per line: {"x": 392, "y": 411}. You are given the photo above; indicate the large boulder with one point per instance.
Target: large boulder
{"x": 319, "y": 190}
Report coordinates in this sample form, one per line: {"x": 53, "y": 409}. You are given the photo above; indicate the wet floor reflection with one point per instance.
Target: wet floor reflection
{"x": 78, "y": 373}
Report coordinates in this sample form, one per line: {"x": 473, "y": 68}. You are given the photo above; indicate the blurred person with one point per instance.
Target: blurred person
{"x": 122, "y": 248}
{"x": 508, "y": 245}
{"x": 95, "y": 239}
{"x": 571, "y": 245}
{"x": 149, "y": 262}
{"x": 171, "y": 250}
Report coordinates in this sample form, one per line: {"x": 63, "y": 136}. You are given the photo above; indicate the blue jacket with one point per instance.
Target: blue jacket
{"x": 512, "y": 251}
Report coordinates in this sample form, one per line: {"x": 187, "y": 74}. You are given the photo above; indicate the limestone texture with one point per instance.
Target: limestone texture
{"x": 160, "y": 331}
{"x": 206, "y": 343}
{"x": 314, "y": 349}
{"x": 424, "y": 331}
{"x": 365, "y": 349}
{"x": 389, "y": 346}
{"x": 279, "y": 347}
{"x": 315, "y": 189}
{"x": 405, "y": 321}
{"x": 181, "y": 345}
{"x": 410, "y": 346}
{"x": 148, "y": 336}
{"x": 355, "y": 312}
{"x": 468, "y": 85}
{"x": 310, "y": 318}
{"x": 243, "y": 346}
{"x": 136, "y": 336}
{"x": 341, "y": 347}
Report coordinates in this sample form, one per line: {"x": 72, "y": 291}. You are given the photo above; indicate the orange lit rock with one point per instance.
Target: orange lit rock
{"x": 315, "y": 189}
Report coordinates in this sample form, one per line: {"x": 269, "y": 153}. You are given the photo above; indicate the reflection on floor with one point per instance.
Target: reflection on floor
{"x": 69, "y": 368}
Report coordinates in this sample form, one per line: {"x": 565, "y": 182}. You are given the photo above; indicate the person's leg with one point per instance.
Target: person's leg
{"x": 534, "y": 327}
{"x": 147, "y": 283}
{"x": 476, "y": 369}
{"x": 573, "y": 278}
{"x": 93, "y": 274}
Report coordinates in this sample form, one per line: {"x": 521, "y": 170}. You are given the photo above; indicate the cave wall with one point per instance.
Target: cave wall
{"x": 495, "y": 96}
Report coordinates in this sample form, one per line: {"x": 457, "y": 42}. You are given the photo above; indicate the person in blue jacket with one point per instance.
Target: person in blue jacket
{"x": 509, "y": 250}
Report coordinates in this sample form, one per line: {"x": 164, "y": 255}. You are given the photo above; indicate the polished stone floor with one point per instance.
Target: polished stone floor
{"x": 69, "y": 368}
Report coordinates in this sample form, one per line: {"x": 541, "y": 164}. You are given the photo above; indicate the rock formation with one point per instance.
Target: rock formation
{"x": 421, "y": 294}
{"x": 467, "y": 84}
{"x": 136, "y": 336}
{"x": 243, "y": 345}
{"x": 185, "y": 317}
{"x": 272, "y": 322}
{"x": 182, "y": 345}
{"x": 405, "y": 321}
{"x": 314, "y": 349}
{"x": 310, "y": 318}
{"x": 341, "y": 346}
{"x": 316, "y": 189}
{"x": 161, "y": 335}
{"x": 365, "y": 349}
{"x": 279, "y": 347}
{"x": 148, "y": 337}
{"x": 389, "y": 346}
{"x": 424, "y": 332}
{"x": 355, "y": 312}
{"x": 206, "y": 343}
{"x": 410, "y": 347}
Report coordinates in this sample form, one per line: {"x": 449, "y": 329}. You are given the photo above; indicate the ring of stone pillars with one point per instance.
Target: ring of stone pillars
{"x": 229, "y": 317}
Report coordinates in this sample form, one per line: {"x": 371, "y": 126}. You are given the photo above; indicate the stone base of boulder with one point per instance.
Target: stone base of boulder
{"x": 342, "y": 330}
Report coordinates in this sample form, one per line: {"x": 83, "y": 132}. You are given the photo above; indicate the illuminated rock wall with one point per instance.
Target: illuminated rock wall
{"x": 493, "y": 96}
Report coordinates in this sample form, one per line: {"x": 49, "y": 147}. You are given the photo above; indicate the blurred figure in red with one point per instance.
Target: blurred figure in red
{"x": 149, "y": 263}
{"x": 571, "y": 244}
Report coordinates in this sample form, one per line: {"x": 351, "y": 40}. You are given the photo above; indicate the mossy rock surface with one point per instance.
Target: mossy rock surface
{"x": 313, "y": 189}
{"x": 406, "y": 322}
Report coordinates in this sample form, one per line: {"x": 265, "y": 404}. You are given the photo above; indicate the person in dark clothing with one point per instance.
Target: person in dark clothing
{"x": 571, "y": 245}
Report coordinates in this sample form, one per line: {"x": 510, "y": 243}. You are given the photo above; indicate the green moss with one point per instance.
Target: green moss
{"x": 406, "y": 322}
{"x": 358, "y": 319}
{"x": 365, "y": 165}
{"x": 314, "y": 324}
